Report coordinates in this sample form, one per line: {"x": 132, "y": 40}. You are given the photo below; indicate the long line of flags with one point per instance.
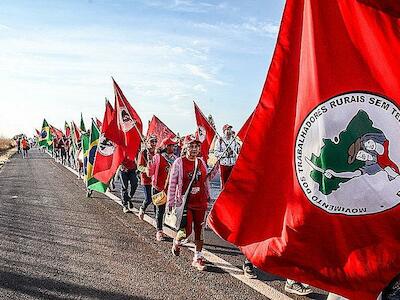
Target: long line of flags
{"x": 119, "y": 136}
{"x": 314, "y": 195}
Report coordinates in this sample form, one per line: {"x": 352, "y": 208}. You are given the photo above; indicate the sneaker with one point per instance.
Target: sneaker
{"x": 160, "y": 236}
{"x": 248, "y": 271}
{"x": 184, "y": 241}
{"x": 130, "y": 205}
{"x": 176, "y": 248}
{"x": 125, "y": 209}
{"x": 199, "y": 264}
{"x": 297, "y": 288}
{"x": 141, "y": 214}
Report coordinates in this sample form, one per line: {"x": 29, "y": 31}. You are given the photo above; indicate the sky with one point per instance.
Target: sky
{"x": 57, "y": 58}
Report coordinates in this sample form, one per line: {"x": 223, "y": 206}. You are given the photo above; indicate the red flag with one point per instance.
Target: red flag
{"x": 243, "y": 131}
{"x": 98, "y": 123}
{"x": 56, "y": 132}
{"x": 37, "y": 132}
{"x": 108, "y": 155}
{"x": 67, "y": 129}
{"x": 125, "y": 129}
{"x": 159, "y": 129}
{"x": 205, "y": 131}
{"x": 314, "y": 194}
{"x": 76, "y": 133}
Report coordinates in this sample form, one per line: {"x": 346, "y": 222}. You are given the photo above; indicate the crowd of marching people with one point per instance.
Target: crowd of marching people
{"x": 174, "y": 172}
{"x": 173, "y": 175}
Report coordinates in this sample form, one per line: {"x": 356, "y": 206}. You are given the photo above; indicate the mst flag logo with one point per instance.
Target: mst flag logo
{"x": 345, "y": 156}
{"x": 202, "y": 133}
{"x": 125, "y": 119}
{"x": 106, "y": 147}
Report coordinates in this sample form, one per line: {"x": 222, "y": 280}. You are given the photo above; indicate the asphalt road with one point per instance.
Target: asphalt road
{"x": 57, "y": 244}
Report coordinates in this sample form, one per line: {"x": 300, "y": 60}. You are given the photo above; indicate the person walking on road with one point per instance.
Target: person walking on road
{"x": 25, "y": 147}
{"x": 189, "y": 177}
{"x": 19, "y": 145}
{"x": 61, "y": 147}
{"x": 226, "y": 149}
{"x": 159, "y": 168}
{"x": 128, "y": 176}
{"x": 145, "y": 156}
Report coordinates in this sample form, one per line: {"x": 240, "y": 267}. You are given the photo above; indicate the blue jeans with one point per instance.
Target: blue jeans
{"x": 147, "y": 198}
{"x": 126, "y": 177}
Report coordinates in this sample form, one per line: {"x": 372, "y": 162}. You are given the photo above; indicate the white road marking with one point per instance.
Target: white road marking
{"x": 217, "y": 261}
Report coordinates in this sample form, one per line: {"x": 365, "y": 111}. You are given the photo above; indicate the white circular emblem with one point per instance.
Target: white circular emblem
{"x": 202, "y": 133}
{"x": 346, "y": 154}
{"x": 105, "y": 147}
{"x": 125, "y": 119}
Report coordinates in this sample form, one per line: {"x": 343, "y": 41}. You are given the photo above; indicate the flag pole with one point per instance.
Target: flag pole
{"x": 134, "y": 121}
{"x": 216, "y": 132}
{"x": 216, "y": 163}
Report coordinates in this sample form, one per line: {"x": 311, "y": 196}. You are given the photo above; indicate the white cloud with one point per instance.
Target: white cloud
{"x": 200, "y": 88}
{"x": 188, "y": 6}
{"x": 268, "y": 29}
{"x": 4, "y": 27}
{"x": 200, "y": 72}
{"x": 58, "y": 74}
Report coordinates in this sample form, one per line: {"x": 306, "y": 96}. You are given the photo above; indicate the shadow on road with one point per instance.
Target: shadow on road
{"x": 47, "y": 288}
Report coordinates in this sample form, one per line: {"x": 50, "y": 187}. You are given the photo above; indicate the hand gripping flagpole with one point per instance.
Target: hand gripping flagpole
{"x": 219, "y": 158}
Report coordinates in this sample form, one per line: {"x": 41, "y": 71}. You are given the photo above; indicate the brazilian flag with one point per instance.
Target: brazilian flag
{"x": 91, "y": 182}
{"x": 45, "y": 138}
{"x": 85, "y": 138}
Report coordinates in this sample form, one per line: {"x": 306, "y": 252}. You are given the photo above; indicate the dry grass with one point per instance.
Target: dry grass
{"x": 6, "y": 144}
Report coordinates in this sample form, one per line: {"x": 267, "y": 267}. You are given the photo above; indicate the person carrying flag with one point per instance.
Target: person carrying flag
{"x": 226, "y": 150}
{"x": 158, "y": 169}
{"x": 128, "y": 175}
{"x": 145, "y": 156}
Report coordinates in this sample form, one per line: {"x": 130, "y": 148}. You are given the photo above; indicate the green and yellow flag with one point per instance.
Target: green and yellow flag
{"x": 45, "y": 138}
{"x": 85, "y": 138}
{"x": 82, "y": 127}
{"x": 91, "y": 182}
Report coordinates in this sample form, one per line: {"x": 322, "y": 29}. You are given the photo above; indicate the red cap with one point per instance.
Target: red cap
{"x": 167, "y": 141}
{"x": 191, "y": 138}
{"x": 226, "y": 126}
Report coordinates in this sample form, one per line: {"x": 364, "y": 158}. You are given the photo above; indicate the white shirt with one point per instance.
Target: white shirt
{"x": 227, "y": 149}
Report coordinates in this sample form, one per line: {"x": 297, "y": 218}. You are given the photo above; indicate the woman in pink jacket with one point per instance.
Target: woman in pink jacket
{"x": 183, "y": 179}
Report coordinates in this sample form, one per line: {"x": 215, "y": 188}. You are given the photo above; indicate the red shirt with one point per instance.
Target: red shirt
{"x": 163, "y": 171}
{"x": 24, "y": 144}
{"x": 142, "y": 161}
{"x": 197, "y": 196}
{"x": 129, "y": 164}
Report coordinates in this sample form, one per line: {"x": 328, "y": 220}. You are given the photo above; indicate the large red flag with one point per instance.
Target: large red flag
{"x": 205, "y": 131}
{"x": 159, "y": 129}
{"x": 314, "y": 194}
{"x": 108, "y": 155}
{"x": 125, "y": 129}
{"x": 243, "y": 131}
